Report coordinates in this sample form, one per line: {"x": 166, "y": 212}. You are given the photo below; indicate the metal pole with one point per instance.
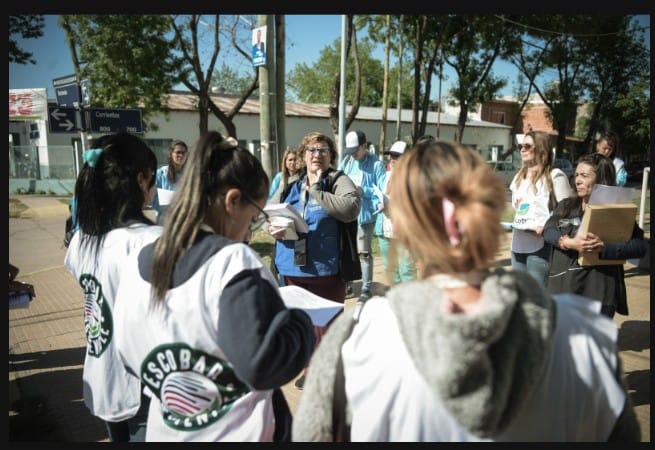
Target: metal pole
{"x": 439, "y": 103}
{"x": 342, "y": 90}
{"x": 400, "y": 74}
{"x": 76, "y": 164}
{"x": 642, "y": 205}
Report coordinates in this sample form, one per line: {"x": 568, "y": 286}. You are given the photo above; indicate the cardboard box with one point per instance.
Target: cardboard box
{"x": 612, "y": 222}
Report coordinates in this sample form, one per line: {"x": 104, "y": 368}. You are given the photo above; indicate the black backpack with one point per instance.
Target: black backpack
{"x": 350, "y": 267}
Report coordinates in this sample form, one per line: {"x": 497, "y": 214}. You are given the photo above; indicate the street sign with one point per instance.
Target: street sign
{"x": 61, "y": 120}
{"x": 86, "y": 95}
{"x": 115, "y": 120}
{"x": 67, "y": 91}
{"x": 68, "y": 79}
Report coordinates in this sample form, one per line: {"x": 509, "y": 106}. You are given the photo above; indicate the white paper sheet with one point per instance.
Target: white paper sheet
{"x": 602, "y": 194}
{"x": 320, "y": 310}
{"x": 286, "y": 210}
{"x": 165, "y": 196}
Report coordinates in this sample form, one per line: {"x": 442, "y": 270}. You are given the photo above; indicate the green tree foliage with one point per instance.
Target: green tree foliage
{"x": 472, "y": 52}
{"x": 617, "y": 65}
{"x": 596, "y": 59}
{"x": 228, "y": 81}
{"x": 197, "y": 68}
{"x": 28, "y": 27}
{"x": 314, "y": 83}
{"x": 128, "y": 60}
{"x": 630, "y": 116}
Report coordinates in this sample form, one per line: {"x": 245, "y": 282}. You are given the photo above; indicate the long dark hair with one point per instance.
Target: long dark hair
{"x": 108, "y": 195}
{"x": 171, "y": 167}
{"x": 215, "y": 165}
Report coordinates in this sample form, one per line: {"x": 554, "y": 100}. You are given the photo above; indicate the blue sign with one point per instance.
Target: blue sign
{"x": 62, "y": 120}
{"x": 67, "y": 91}
{"x": 115, "y": 120}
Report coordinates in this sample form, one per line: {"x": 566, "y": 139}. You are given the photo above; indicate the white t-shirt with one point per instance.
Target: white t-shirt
{"x": 110, "y": 392}
{"x": 530, "y": 212}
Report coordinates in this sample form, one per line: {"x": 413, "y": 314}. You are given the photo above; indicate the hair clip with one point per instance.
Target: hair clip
{"x": 449, "y": 221}
{"x": 91, "y": 156}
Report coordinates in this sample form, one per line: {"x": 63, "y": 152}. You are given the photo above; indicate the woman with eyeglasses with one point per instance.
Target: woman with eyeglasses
{"x": 536, "y": 189}
{"x": 202, "y": 323}
{"x": 323, "y": 199}
{"x": 170, "y": 174}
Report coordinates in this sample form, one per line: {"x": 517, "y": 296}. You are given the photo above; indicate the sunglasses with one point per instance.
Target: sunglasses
{"x": 525, "y": 146}
{"x": 258, "y": 221}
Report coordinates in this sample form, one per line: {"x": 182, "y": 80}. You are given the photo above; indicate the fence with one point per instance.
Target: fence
{"x": 55, "y": 162}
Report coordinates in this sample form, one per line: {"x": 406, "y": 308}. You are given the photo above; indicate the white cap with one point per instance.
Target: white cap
{"x": 353, "y": 140}
{"x": 397, "y": 149}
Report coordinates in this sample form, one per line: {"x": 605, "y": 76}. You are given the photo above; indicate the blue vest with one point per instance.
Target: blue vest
{"x": 322, "y": 240}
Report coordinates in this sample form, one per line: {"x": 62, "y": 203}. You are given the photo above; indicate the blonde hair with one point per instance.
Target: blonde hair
{"x": 425, "y": 175}
{"x": 285, "y": 170}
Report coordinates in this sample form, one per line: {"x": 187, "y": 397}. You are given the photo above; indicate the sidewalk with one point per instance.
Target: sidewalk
{"x": 47, "y": 342}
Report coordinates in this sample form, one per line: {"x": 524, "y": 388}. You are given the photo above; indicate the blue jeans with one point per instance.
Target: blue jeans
{"x": 364, "y": 239}
{"x": 536, "y": 263}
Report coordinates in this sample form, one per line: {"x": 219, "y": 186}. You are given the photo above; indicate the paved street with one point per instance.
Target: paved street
{"x": 46, "y": 341}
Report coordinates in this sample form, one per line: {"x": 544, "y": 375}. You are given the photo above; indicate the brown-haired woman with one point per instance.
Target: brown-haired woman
{"x": 202, "y": 322}
{"x": 464, "y": 353}
{"x": 169, "y": 175}
{"x": 284, "y": 177}
{"x": 536, "y": 189}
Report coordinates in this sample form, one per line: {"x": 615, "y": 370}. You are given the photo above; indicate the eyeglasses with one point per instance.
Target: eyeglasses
{"x": 258, "y": 221}
{"x": 525, "y": 146}
{"x": 321, "y": 150}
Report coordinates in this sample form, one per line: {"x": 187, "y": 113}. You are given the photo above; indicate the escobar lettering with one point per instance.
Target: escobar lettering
{"x": 195, "y": 388}
{"x": 98, "y": 322}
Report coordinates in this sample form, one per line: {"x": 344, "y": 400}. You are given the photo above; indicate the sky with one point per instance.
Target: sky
{"x": 306, "y": 36}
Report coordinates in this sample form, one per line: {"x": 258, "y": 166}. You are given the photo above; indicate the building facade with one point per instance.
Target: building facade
{"x": 53, "y": 159}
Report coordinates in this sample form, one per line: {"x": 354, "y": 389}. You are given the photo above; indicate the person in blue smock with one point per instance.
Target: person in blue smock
{"x": 168, "y": 175}
{"x": 368, "y": 174}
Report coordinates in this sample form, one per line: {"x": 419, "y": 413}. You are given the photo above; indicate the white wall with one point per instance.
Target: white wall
{"x": 184, "y": 125}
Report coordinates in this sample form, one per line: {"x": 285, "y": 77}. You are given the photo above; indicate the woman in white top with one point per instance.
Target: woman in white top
{"x": 115, "y": 184}
{"x": 202, "y": 322}
{"x": 536, "y": 189}
{"x": 465, "y": 353}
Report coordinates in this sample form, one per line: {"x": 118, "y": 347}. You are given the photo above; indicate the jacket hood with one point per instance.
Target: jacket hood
{"x": 484, "y": 365}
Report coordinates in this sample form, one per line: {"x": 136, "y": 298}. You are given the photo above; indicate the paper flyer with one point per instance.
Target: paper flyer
{"x": 320, "y": 310}
{"x": 165, "y": 196}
